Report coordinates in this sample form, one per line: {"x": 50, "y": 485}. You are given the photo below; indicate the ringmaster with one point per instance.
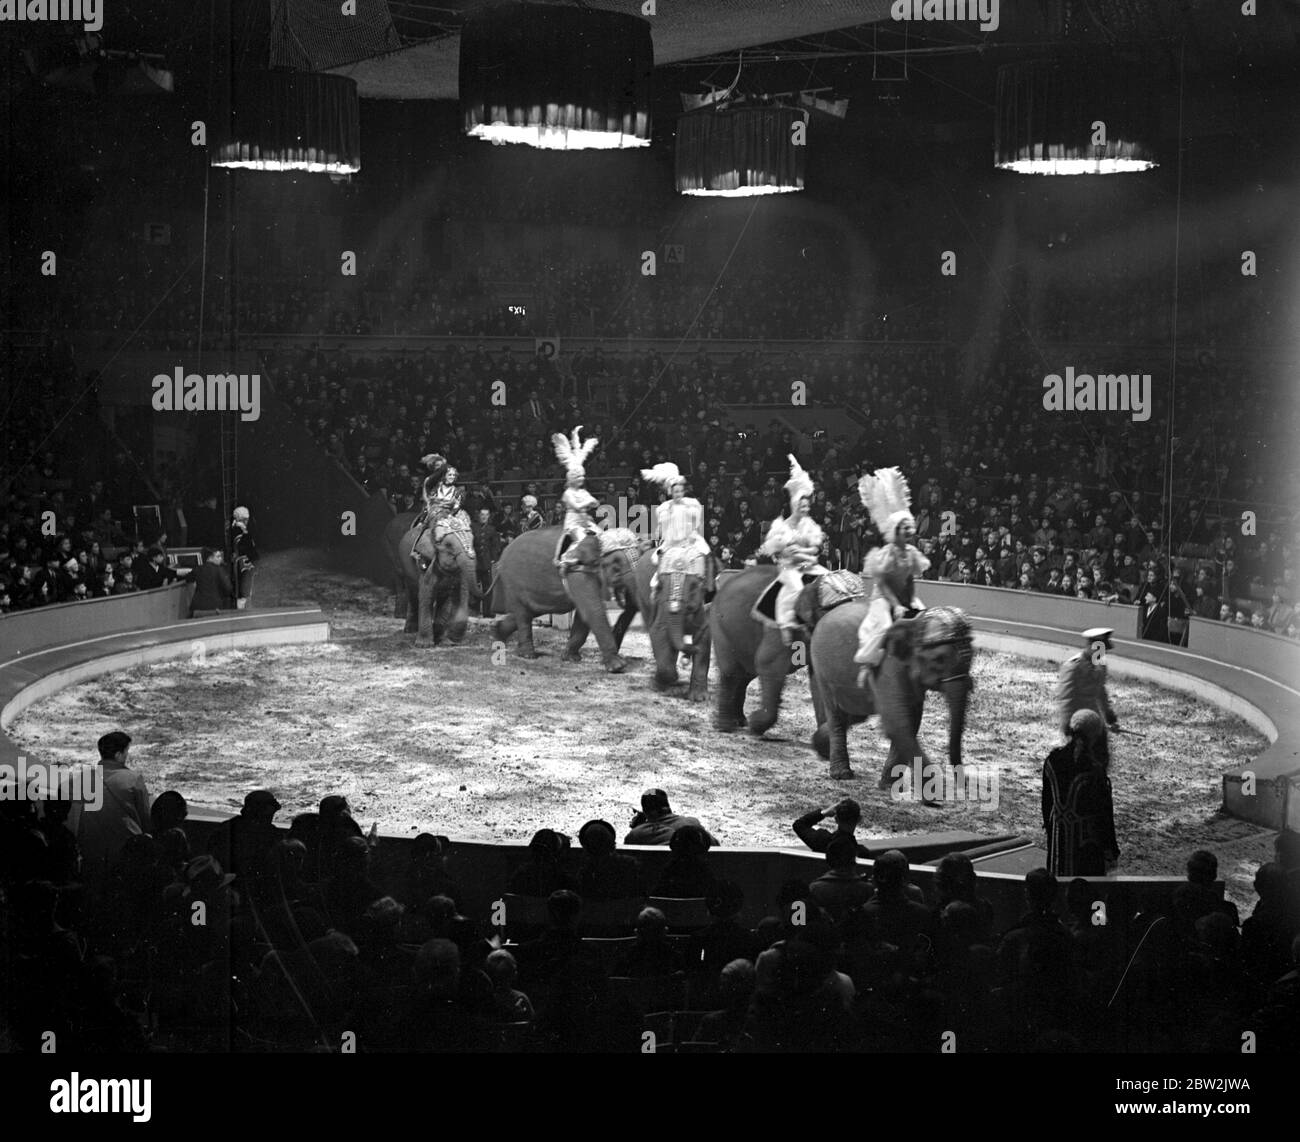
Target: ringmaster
{"x": 1081, "y": 682}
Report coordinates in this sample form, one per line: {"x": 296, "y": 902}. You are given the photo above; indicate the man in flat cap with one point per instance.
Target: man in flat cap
{"x": 1081, "y": 683}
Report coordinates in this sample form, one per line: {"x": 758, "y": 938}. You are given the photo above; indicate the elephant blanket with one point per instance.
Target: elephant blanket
{"x": 833, "y": 588}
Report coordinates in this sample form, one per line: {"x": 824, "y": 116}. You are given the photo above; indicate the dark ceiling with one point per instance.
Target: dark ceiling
{"x": 408, "y": 49}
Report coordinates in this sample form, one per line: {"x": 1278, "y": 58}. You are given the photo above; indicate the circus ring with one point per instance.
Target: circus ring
{"x": 212, "y": 715}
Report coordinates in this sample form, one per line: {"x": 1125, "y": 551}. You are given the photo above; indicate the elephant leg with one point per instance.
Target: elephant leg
{"x": 821, "y": 740}
{"x": 456, "y": 615}
{"x": 837, "y": 731}
{"x": 729, "y": 713}
{"x": 504, "y": 627}
{"x": 624, "y": 620}
{"x": 524, "y": 626}
{"x": 400, "y": 606}
{"x": 699, "y": 687}
{"x": 665, "y": 658}
{"x": 577, "y": 636}
{"x": 411, "y": 609}
{"x": 427, "y": 592}
{"x": 764, "y": 718}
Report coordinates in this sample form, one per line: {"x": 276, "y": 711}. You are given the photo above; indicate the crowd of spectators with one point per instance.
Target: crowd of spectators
{"x": 1010, "y": 498}
{"x": 318, "y": 929}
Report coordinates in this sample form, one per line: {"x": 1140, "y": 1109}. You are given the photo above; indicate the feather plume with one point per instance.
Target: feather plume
{"x": 563, "y": 450}
{"x": 884, "y": 494}
{"x": 799, "y": 483}
{"x": 665, "y": 474}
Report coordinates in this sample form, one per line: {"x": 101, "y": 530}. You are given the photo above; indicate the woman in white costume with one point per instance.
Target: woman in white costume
{"x": 893, "y": 568}
{"x": 679, "y": 523}
{"x": 795, "y": 542}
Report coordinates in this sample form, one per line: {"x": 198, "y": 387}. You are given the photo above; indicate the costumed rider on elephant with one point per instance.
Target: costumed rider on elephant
{"x": 442, "y": 500}
{"x": 579, "y": 504}
{"x": 794, "y": 542}
{"x": 893, "y": 567}
{"x": 679, "y": 530}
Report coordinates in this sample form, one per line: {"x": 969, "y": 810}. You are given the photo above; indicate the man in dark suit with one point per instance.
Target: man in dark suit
{"x": 212, "y": 587}
{"x": 153, "y": 571}
{"x": 487, "y": 550}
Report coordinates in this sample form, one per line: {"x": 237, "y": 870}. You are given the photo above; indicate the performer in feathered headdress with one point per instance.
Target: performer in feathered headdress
{"x": 679, "y": 525}
{"x": 893, "y": 567}
{"x": 795, "y": 542}
{"x": 579, "y": 504}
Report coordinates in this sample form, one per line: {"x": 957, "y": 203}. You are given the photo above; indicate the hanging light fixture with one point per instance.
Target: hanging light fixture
{"x": 735, "y": 151}
{"x": 560, "y": 78}
{"x": 1085, "y": 115}
{"x": 292, "y": 121}
{"x": 287, "y": 119}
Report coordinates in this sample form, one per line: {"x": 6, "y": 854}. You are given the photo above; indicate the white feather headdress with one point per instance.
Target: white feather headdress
{"x": 799, "y": 483}
{"x": 665, "y": 474}
{"x": 888, "y": 498}
{"x": 573, "y": 451}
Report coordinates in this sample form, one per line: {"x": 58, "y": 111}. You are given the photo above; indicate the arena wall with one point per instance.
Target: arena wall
{"x": 1252, "y": 673}
{"x": 24, "y": 631}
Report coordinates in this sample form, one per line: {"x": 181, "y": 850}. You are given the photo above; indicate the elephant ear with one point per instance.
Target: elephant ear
{"x": 900, "y": 639}
{"x": 806, "y": 606}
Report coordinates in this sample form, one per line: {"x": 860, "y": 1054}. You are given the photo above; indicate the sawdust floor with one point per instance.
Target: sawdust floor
{"x": 446, "y": 741}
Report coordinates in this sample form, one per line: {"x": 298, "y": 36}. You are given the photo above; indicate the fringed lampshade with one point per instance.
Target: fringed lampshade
{"x": 741, "y": 151}
{"x": 1047, "y": 112}
{"x": 556, "y": 77}
{"x": 291, "y": 121}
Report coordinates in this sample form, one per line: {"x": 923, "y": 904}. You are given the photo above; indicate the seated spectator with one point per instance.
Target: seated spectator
{"x": 168, "y": 811}
{"x": 724, "y": 938}
{"x": 337, "y": 827}
{"x": 955, "y": 880}
{"x": 656, "y": 822}
{"x": 44, "y": 966}
{"x": 605, "y": 874}
{"x": 559, "y": 949}
{"x": 427, "y": 874}
{"x": 153, "y": 571}
{"x": 843, "y": 885}
{"x": 545, "y": 872}
{"x": 1198, "y": 896}
{"x": 898, "y": 919}
{"x": 792, "y": 1011}
{"x": 1278, "y": 1018}
{"x": 1266, "y": 933}
{"x": 243, "y": 844}
{"x": 439, "y": 1018}
{"x": 687, "y": 873}
{"x": 1035, "y": 964}
{"x": 736, "y": 983}
{"x": 509, "y": 1004}
{"x": 653, "y": 954}
{"x": 847, "y": 814}
{"x": 349, "y": 891}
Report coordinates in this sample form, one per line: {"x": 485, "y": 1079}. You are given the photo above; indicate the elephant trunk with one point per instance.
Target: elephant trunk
{"x": 469, "y": 572}
{"x": 675, "y": 635}
{"x": 956, "y": 693}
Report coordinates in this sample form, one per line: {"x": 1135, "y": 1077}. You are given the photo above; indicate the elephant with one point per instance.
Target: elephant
{"x": 745, "y": 649}
{"x": 437, "y": 598}
{"x": 931, "y": 651}
{"x": 674, "y": 614}
{"x": 528, "y": 584}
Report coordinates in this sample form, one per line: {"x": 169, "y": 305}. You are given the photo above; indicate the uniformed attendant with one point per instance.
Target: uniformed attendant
{"x": 1081, "y": 682}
